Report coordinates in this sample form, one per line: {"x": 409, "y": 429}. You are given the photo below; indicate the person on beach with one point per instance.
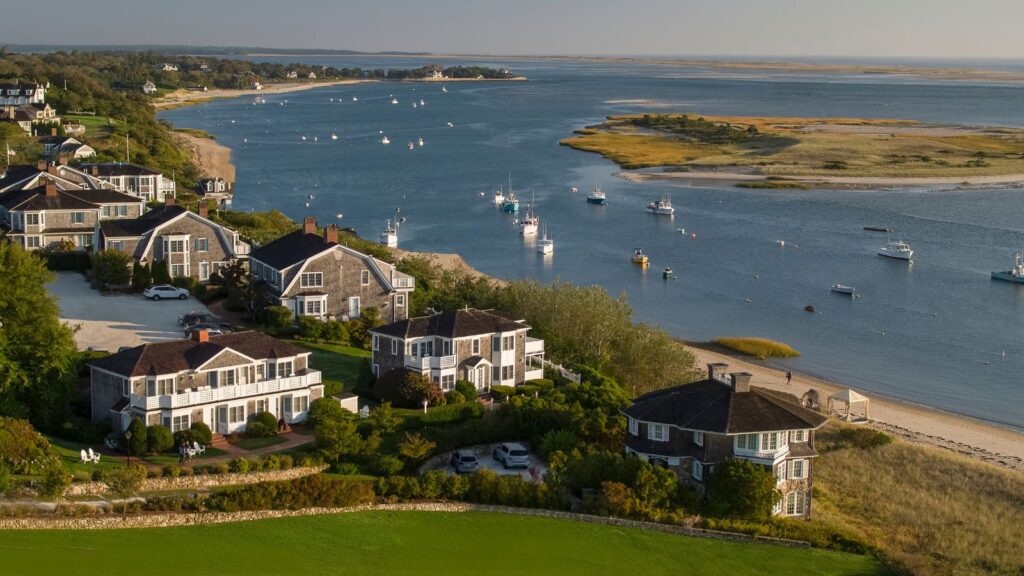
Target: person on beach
{"x": 789, "y": 378}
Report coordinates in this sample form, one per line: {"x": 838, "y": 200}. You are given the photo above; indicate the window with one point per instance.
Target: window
{"x": 508, "y": 372}
{"x": 177, "y": 270}
{"x": 394, "y": 347}
{"x": 796, "y": 504}
{"x": 311, "y": 279}
{"x": 698, "y": 439}
{"x": 236, "y": 414}
{"x": 634, "y": 427}
{"x": 797, "y": 469}
{"x": 85, "y": 240}
{"x": 78, "y": 217}
{"x": 364, "y": 278}
{"x": 746, "y": 442}
{"x": 204, "y": 270}
{"x": 116, "y": 245}
{"x": 122, "y": 210}
{"x": 311, "y": 307}
{"x": 201, "y": 244}
{"x": 780, "y": 472}
{"x": 261, "y": 372}
{"x": 32, "y": 242}
{"x": 657, "y": 432}
{"x": 476, "y": 346}
{"x": 376, "y": 343}
{"x": 212, "y": 379}
{"x": 227, "y": 377}
{"x": 300, "y": 404}
{"x": 496, "y": 374}
{"x": 165, "y": 386}
{"x": 508, "y": 343}
{"x": 31, "y": 219}
{"x": 284, "y": 369}
{"x": 798, "y": 436}
{"x": 176, "y": 246}
{"x": 448, "y": 382}
{"x": 697, "y": 470}
{"x": 399, "y": 300}
{"x": 179, "y": 423}
{"x": 769, "y": 441}
{"x": 496, "y": 343}
{"x": 262, "y": 406}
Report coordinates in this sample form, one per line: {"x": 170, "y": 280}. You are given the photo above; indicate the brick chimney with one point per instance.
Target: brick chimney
{"x": 309, "y": 225}
{"x": 51, "y": 190}
{"x": 52, "y": 169}
{"x": 62, "y": 159}
{"x": 95, "y": 170}
{"x": 202, "y": 335}
{"x": 41, "y": 165}
{"x": 168, "y": 200}
{"x": 53, "y": 131}
{"x": 331, "y": 234}
{"x": 741, "y": 381}
{"x": 204, "y": 210}
{"x": 716, "y": 370}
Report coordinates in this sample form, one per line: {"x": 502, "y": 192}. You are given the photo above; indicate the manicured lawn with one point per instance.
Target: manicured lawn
{"x": 95, "y": 126}
{"x": 349, "y": 365}
{"x": 70, "y": 454}
{"x": 407, "y": 543}
{"x": 257, "y": 443}
{"x": 172, "y": 459}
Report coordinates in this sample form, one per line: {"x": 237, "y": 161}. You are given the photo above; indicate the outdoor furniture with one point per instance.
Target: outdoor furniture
{"x": 110, "y": 443}
{"x": 197, "y": 447}
{"x": 94, "y": 457}
{"x": 84, "y": 456}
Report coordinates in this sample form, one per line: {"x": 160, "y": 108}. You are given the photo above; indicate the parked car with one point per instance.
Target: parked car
{"x": 512, "y": 455}
{"x": 161, "y": 291}
{"x": 464, "y": 461}
{"x": 211, "y": 330}
{"x": 193, "y": 318}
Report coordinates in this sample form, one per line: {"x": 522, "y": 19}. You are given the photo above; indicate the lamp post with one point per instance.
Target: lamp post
{"x": 425, "y": 402}
{"x": 128, "y": 446}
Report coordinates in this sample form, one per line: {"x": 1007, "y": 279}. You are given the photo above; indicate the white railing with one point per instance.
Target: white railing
{"x": 534, "y": 346}
{"x": 430, "y": 362}
{"x": 194, "y": 397}
{"x": 533, "y": 374}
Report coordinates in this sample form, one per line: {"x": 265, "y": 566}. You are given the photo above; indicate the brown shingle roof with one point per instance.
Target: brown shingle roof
{"x": 457, "y": 324}
{"x": 179, "y": 355}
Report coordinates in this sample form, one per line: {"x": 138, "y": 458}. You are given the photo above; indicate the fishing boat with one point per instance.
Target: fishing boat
{"x": 597, "y": 196}
{"x": 843, "y": 289}
{"x": 499, "y": 198}
{"x": 1015, "y": 274}
{"x": 896, "y": 249}
{"x": 334, "y": 136}
{"x": 510, "y": 204}
{"x": 639, "y": 257}
{"x": 667, "y": 274}
{"x": 394, "y": 100}
{"x": 420, "y": 141}
{"x": 385, "y": 140}
{"x": 412, "y": 146}
{"x": 662, "y": 206}
{"x": 545, "y": 245}
{"x": 528, "y": 224}
{"x": 389, "y": 236}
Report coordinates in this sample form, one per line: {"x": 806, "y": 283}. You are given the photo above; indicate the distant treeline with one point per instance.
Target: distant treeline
{"x": 189, "y": 50}
{"x": 452, "y": 72}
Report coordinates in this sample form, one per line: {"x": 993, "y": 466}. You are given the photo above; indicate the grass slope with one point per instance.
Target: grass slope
{"x": 407, "y": 543}
{"x": 346, "y": 364}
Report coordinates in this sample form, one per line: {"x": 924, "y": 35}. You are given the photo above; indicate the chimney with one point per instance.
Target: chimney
{"x": 331, "y": 234}
{"x": 51, "y": 190}
{"x": 716, "y": 370}
{"x": 741, "y": 381}
{"x": 168, "y": 200}
{"x": 95, "y": 170}
{"x": 204, "y": 210}
{"x": 53, "y": 131}
{"x": 309, "y": 225}
{"x": 202, "y": 335}
{"x": 62, "y": 159}
{"x": 41, "y": 165}
{"x": 52, "y": 169}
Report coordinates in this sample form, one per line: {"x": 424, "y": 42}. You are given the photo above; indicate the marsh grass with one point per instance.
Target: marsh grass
{"x": 760, "y": 348}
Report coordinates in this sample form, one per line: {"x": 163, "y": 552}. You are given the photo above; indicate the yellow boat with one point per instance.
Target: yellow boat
{"x": 639, "y": 257}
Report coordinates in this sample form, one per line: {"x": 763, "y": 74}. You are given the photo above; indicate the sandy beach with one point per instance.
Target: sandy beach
{"x": 212, "y": 158}
{"x": 824, "y": 181}
{"x": 180, "y": 98}
{"x": 913, "y": 423}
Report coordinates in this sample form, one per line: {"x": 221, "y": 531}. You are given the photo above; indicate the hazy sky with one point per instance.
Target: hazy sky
{"x": 875, "y": 28}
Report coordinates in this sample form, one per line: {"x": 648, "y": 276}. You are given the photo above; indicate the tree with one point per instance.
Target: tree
{"x": 740, "y": 488}
{"x": 112, "y": 267}
{"x": 158, "y": 439}
{"x": 137, "y": 444}
{"x": 415, "y": 447}
{"x": 56, "y": 481}
{"x": 416, "y": 388}
{"x": 324, "y": 409}
{"x": 202, "y": 433}
{"x": 384, "y": 418}
{"x": 141, "y": 277}
{"x": 467, "y": 389}
{"x": 37, "y": 350}
{"x": 277, "y": 318}
{"x": 337, "y": 437}
{"x": 160, "y": 273}
{"x": 124, "y": 482}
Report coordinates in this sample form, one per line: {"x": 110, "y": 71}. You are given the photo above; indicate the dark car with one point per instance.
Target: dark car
{"x": 464, "y": 461}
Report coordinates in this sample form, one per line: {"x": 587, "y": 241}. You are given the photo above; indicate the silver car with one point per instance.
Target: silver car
{"x": 464, "y": 462}
{"x": 512, "y": 455}
{"x": 161, "y": 291}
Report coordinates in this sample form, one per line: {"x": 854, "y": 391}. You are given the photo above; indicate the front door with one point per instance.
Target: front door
{"x": 286, "y": 408}
{"x": 481, "y": 378}
{"x": 221, "y": 419}
{"x": 353, "y": 307}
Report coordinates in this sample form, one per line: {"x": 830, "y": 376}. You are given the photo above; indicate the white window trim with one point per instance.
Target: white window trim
{"x": 364, "y": 278}
{"x": 652, "y": 426}
{"x": 697, "y": 470}
{"x": 634, "y": 426}
{"x": 698, "y": 438}
{"x": 791, "y": 469}
{"x": 798, "y": 436}
{"x": 394, "y": 347}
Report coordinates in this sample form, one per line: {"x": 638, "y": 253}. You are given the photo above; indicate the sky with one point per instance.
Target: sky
{"x": 828, "y": 28}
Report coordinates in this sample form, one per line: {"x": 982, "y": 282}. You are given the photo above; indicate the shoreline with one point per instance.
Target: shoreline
{"x": 825, "y": 182}
{"x": 443, "y": 80}
{"x": 180, "y": 98}
{"x": 211, "y": 157}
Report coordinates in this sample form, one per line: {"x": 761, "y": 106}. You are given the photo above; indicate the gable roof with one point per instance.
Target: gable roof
{"x": 30, "y": 176}
{"x": 36, "y": 199}
{"x": 180, "y": 355}
{"x": 108, "y": 169}
{"x": 290, "y": 249}
{"x": 139, "y": 226}
{"x": 712, "y": 406}
{"x": 457, "y": 324}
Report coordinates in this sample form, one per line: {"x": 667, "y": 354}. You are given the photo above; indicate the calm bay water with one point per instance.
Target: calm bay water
{"x": 934, "y": 332}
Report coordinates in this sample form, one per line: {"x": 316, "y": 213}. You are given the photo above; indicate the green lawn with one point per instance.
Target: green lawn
{"x": 70, "y": 455}
{"x": 406, "y": 543}
{"x": 257, "y": 443}
{"x": 350, "y": 366}
{"x": 95, "y": 126}
{"x": 171, "y": 459}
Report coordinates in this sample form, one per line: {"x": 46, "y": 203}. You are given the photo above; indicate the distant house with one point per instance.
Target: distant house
{"x": 292, "y": 74}
{"x": 312, "y": 76}
{"x": 204, "y": 67}
{"x": 437, "y": 74}
{"x": 149, "y": 87}
{"x": 146, "y": 183}
{"x": 28, "y": 116}
{"x": 217, "y": 189}
{"x": 189, "y": 242}
{"x": 55, "y": 147}
{"x": 256, "y": 86}
{"x": 219, "y": 380}
{"x": 479, "y": 346}
{"x": 315, "y": 275}
{"x": 199, "y": 88}
{"x": 170, "y": 67}
{"x": 16, "y": 93}
{"x": 694, "y": 427}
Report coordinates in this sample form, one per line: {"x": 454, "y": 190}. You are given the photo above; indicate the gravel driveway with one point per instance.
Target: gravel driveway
{"x": 109, "y": 322}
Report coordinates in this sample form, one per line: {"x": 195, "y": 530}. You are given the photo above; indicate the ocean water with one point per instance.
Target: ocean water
{"x": 937, "y": 332}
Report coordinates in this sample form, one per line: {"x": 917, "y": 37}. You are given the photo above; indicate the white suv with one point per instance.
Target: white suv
{"x": 512, "y": 455}
{"x": 161, "y": 291}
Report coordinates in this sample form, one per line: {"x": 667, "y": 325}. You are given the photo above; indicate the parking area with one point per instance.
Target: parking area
{"x": 485, "y": 453}
{"x": 108, "y": 322}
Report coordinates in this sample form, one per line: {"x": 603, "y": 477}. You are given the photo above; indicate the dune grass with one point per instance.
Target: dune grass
{"x": 636, "y": 150}
{"x": 760, "y": 348}
{"x": 408, "y": 543}
{"x": 929, "y": 511}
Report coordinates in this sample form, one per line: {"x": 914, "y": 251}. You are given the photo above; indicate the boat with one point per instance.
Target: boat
{"x": 573, "y": 189}
{"x": 528, "y": 224}
{"x": 545, "y": 245}
{"x": 896, "y": 249}
{"x": 877, "y": 229}
{"x": 412, "y": 146}
{"x": 444, "y": 90}
{"x": 667, "y": 274}
{"x": 414, "y": 105}
{"x": 597, "y": 197}
{"x": 385, "y": 140}
{"x": 499, "y": 198}
{"x": 639, "y": 257}
{"x": 510, "y": 204}
{"x": 420, "y": 141}
{"x": 355, "y": 99}
{"x": 389, "y": 236}
{"x": 662, "y": 206}
{"x": 394, "y": 100}
{"x": 843, "y": 289}
{"x": 334, "y": 136}
{"x": 1015, "y": 274}
{"x": 450, "y": 124}
{"x": 810, "y": 309}
{"x": 421, "y": 102}
{"x": 303, "y": 138}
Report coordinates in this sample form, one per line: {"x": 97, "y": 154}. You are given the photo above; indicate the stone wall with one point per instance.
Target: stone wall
{"x": 201, "y": 481}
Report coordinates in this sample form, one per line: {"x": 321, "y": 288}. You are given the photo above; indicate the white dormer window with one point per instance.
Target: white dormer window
{"x": 634, "y": 427}
{"x": 657, "y": 432}
{"x": 364, "y": 278}
{"x": 312, "y": 280}
{"x": 698, "y": 439}
{"x": 798, "y": 436}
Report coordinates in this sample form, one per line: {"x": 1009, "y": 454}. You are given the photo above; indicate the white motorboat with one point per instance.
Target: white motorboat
{"x": 394, "y": 100}
{"x": 412, "y": 146}
{"x": 499, "y": 197}
{"x": 389, "y": 236}
{"x": 662, "y": 206}
{"x": 355, "y": 99}
{"x": 528, "y": 225}
{"x": 897, "y": 249}
{"x": 843, "y": 289}
{"x": 545, "y": 245}
{"x": 385, "y": 140}
{"x": 334, "y": 136}
{"x": 420, "y": 141}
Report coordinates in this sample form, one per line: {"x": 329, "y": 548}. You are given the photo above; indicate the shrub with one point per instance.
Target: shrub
{"x": 345, "y": 468}
{"x": 862, "y": 438}
{"x": 311, "y": 328}
{"x": 287, "y": 461}
{"x": 258, "y": 430}
{"x": 222, "y": 468}
{"x": 417, "y": 388}
{"x": 306, "y": 492}
{"x": 5, "y": 478}
{"x": 124, "y": 481}
{"x": 542, "y": 384}
{"x": 336, "y": 332}
{"x": 558, "y": 441}
{"x": 171, "y": 471}
{"x": 452, "y": 413}
{"x": 501, "y": 393}
{"x": 202, "y": 433}
{"x": 141, "y": 276}
{"x": 112, "y": 267}
{"x": 56, "y": 481}
{"x": 467, "y": 389}
{"x": 187, "y": 471}
{"x": 239, "y": 465}
{"x": 741, "y": 489}
{"x": 415, "y": 447}
{"x": 386, "y": 465}
{"x": 454, "y": 397}
{"x": 187, "y": 436}
{"x": 272, "y": 462}
{"x": 22, "y": 449}
{"x": 137, "y": 444}
{"x": 267, "y": 419}
{"x": 187, "y": 282}
{"x": 323, "y": 409}
{"x": 529, "y": 390}
{"x": 160, "y": 273}
{"x": 158, "y": 439}
{"x": 277, "y": 318}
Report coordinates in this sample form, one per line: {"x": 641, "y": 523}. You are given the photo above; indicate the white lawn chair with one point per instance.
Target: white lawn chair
{"x": 85, "y": 457}
{"x": 94, "y": 456}
{"x": 198, "y": 448}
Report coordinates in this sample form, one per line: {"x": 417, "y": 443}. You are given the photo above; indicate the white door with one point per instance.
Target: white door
{"x": 221, "y": 416}
{"x": 481, "y": 378}
{"x": 353, "y": 307}
{"x": 286, "y": 408}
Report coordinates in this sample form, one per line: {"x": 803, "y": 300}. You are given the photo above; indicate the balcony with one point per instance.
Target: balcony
{"x": 430, "y": 362}
{"x": 404, "y": 282}
{"x": 534, "y": 346}
{"x": 195, "y": 397}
